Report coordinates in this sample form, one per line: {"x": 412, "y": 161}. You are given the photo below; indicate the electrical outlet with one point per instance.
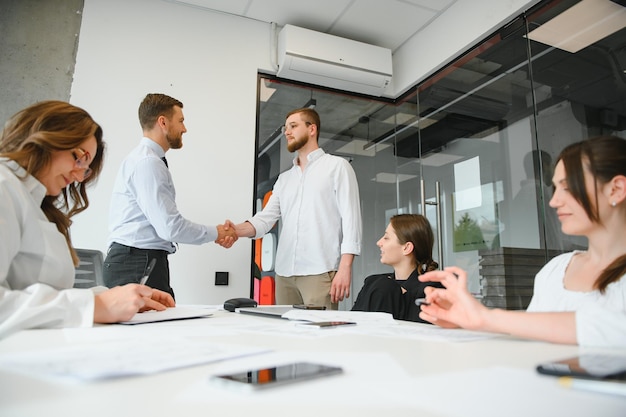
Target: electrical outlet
{"x": 221, "y": 278}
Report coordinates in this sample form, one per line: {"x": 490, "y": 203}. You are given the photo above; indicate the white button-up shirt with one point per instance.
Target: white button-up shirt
{"x": 321, "y": 215}
{"x": 36, "y": 269}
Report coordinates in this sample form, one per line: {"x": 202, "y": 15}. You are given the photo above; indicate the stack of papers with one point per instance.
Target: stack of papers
{"x": 121, "y": 358}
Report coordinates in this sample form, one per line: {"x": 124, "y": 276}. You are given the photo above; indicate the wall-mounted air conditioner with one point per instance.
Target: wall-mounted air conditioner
{"x": 330, "y": 61}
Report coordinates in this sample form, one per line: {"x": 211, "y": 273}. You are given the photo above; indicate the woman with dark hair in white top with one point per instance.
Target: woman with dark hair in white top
{"x": 579, "y": 297}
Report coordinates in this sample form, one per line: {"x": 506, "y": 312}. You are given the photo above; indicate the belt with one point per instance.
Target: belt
{"x": 132, "y": 250}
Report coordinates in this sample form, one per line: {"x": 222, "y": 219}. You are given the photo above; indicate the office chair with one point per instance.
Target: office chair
{"x": 89, "y": 271}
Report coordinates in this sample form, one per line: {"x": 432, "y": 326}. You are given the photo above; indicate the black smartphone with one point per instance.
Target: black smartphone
{"x": 328, "y": 324}
{"x": 276, "y": 376}
{"x": 309, "y": 307}
{"x": 588, "y": 366}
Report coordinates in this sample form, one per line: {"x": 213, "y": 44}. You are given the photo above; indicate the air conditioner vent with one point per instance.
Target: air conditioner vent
{"x": 331, "y": 61}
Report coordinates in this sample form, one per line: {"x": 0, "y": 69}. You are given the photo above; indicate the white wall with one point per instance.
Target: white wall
{"x": 209, "y": 61}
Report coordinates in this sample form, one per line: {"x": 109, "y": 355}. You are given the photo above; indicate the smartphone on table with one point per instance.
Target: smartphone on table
{"x": 275, "y": 376}
{"x": 588, "y": 366}
{"x": 308, "y": 307}
{"x": 328, "y": 324}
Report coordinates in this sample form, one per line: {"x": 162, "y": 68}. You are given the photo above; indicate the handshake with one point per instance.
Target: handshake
{"x": 226, "y": 234}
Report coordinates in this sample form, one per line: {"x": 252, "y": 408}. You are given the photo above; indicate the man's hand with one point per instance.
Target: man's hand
{"x": 340, "y": 287}
{"x": 226, "y": 234}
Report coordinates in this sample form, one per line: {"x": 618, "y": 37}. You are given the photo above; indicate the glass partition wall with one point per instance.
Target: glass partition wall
{"x": 472, "y": 147}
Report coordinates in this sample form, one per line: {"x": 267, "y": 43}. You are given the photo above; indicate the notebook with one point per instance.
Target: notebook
{"x": 274, "y": 311}
{"x": 174, "y": 313}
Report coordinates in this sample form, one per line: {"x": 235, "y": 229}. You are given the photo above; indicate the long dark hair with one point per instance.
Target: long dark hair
{"x": 34, "y": 133}
{"x": 605, "y": 158}
{"x": 416, "y": 229}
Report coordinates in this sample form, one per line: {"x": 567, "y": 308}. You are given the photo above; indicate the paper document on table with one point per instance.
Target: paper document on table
{"x": 360, "y": 317}
{"x": 122, "y": 358}
{"x": 174, "y": 313}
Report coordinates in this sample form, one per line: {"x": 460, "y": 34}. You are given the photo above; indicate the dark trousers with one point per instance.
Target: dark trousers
{"x": 125, "y": 264}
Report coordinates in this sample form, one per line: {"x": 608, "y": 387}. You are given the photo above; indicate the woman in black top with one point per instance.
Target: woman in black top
{"x": 407, "y": 246}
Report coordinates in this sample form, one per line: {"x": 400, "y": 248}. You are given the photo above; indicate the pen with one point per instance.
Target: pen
{"x": 421, "y": 301}
{"x": 603, "y": 387}
{"x": 144, "y": 279}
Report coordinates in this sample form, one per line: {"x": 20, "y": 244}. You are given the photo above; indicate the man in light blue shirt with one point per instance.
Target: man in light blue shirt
{"x": 318, "y": 203}
{"x": 144, "y": 220}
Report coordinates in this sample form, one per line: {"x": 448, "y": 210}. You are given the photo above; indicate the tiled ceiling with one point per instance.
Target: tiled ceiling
{"x": 386, "y": 23}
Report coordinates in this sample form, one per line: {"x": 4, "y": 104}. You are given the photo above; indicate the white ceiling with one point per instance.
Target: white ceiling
{"x": 386, "y": 23}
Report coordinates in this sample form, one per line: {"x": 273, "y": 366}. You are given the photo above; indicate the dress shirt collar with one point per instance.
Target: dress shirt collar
{"x": 32, "y": 184}
{"x": 316, "y": 154}
{"x": 154, "y": 146}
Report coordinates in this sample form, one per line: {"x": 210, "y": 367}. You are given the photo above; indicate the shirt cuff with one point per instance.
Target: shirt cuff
{"x": 353, "y": 248}
{"x": 80, "y": 307}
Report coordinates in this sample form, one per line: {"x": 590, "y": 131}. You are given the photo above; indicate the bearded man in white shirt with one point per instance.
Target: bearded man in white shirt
{"x": 318, "y": 202}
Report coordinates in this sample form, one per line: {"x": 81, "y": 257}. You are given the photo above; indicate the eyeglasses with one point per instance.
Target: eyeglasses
{"x": 292, "y": 126}
{"x": 81, "y": 161}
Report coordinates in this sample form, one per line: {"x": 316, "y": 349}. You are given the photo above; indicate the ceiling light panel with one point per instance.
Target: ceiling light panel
{"x": 581, "y": 25}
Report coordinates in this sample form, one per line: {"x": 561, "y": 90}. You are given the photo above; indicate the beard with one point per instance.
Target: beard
{"x": 297, "y": 143}
{"x": 175, "y": 142}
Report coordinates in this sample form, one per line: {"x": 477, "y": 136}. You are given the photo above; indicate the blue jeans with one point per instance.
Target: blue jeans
{"x": 125, "y": 264}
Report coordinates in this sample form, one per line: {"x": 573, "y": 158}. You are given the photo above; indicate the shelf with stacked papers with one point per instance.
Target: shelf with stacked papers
{"x": 508, "y": 275}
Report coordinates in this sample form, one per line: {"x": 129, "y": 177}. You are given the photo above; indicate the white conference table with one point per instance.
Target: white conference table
{"x": 390, "y": 368}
